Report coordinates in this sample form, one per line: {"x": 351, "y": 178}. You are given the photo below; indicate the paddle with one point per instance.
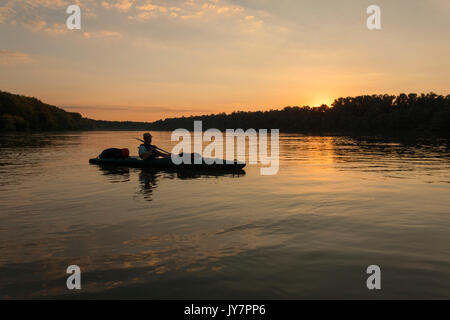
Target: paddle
{"x": 153, "y": 146}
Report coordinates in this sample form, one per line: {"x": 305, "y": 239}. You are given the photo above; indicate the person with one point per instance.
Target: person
{"x": 147, "y": 151}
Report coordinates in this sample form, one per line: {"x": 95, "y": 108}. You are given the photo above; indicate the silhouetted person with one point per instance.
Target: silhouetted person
{"x": 147, "y": 151}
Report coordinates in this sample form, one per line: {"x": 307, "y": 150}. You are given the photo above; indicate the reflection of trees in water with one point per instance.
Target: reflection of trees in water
{"x": 150, "y": 177}
{"x": 391, "y": 157}
{"x": 39, "y": 140}
{"x": 359, "y": 148}
{"x": 29, "y": 153}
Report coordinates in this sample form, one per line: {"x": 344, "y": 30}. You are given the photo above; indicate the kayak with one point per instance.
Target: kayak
{"x": 137, "y": 162}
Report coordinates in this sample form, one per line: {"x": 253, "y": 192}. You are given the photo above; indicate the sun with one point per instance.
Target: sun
{"x": 320, "y": 100}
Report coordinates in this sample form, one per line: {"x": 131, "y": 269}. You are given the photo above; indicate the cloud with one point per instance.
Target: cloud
{"x": 149, "y": 10}
{"x": 56, "y": 29}
{"x": 252, "y": 24}
{"x": 35, "y": 25}
{"x": 14, "y": 11}
{"x": 32, "y": 14}
{"x": 14, "y": 57}
{"x": 102, "y": 35}
{"x": 4, "y": 13}
{"x": 47, "y": 3}
{"x": 48, "y": 16}
{"x": 144, "y": 10}
{"x": 223, "y": 12}
{"x": 122, "y": 5}
{"x": 40, "y": 25}
{"x": 153, "y": 7}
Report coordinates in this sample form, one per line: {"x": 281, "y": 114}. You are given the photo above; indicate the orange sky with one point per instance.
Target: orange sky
{"x": 144, "y": 60}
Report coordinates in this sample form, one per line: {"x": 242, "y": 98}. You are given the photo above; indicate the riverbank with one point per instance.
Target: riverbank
{"x": 384, "y": 115}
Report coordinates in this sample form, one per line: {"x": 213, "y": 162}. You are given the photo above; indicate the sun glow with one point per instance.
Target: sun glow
{"x": 320, "y": 100}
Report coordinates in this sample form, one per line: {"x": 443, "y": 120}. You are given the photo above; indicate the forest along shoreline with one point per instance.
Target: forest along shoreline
{"x": 381, "y": 115}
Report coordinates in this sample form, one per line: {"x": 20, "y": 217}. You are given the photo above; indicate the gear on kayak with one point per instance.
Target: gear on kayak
{"x": 114, "y": 153}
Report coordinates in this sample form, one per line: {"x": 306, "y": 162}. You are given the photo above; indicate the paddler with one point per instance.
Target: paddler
{"x": 147, "y": 151}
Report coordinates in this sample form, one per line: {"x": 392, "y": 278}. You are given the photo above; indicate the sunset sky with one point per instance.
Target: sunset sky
{"x": 144, "y": 60}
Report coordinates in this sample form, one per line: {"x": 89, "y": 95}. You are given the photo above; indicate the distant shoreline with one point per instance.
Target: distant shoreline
{"x": 375, "y": 115}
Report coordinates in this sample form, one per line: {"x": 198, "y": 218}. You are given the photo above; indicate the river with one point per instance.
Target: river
{"x": 336, "y": 206}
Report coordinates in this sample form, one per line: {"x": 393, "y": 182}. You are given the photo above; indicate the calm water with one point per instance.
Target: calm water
{"x": 336, "y": 206}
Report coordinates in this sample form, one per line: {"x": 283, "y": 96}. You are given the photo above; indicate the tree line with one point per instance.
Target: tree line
{"x": 371, "y": 114}
{"x": 21, "y": 113}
